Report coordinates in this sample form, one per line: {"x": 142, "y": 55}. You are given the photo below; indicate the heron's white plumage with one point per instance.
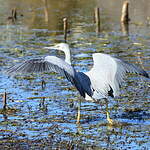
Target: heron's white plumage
{"x": 103, "y": 75}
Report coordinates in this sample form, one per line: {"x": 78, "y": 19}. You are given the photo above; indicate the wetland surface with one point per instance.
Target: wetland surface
{"x": 45, "y": 117}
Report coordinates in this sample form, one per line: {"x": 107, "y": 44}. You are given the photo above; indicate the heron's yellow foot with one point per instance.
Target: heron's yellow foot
{"x": 110, "y": 121}
{"x": 78, "y": 117}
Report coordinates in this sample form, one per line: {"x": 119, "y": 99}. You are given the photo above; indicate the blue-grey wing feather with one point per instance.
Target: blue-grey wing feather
{"x": 126, "y": 67}
{"x": 85, "y": 83}
{"x": 29, "y": 66}
{"x": 48, "y": 64}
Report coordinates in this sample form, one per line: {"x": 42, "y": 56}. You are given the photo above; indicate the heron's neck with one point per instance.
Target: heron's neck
{"x": 67, "y": 56}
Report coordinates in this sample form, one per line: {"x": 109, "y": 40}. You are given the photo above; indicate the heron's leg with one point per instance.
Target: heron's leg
{"x": 110, "y": 121}
{"x": 78, "y": 114}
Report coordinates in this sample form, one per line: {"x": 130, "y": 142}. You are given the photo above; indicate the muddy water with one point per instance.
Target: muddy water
{"x": 45, "y": 117}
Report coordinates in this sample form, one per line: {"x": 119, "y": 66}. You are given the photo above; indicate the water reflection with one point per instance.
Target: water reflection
{"x": 47, "y": 115}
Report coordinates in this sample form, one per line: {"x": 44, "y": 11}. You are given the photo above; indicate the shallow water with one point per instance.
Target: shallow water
{"x": 44, "y": 117}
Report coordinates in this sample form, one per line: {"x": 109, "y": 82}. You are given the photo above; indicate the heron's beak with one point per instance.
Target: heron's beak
{"x": 51, "y": 47}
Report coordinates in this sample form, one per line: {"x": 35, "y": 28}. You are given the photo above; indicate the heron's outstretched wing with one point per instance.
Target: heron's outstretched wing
{"x": 108, "y": 73}
{"x": 125, "y": 67}
{"x": 48, "y": 64}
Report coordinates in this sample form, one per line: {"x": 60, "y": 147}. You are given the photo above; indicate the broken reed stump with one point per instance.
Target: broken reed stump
{"x": 13, "y": 16}
{"x": 46, "y": 10}
{"x": 65, "y": 23}
{"x": 14, "y": 13}
{"x": 125, "y": 18}
{"x": 4, "y": 101}
{"x": 43, "y": 83}
{"x": 125, "y": 12}
{"x": 97, "y": 19}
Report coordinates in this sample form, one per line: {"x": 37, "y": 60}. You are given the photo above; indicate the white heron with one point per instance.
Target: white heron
{"x": 102, "y": 81}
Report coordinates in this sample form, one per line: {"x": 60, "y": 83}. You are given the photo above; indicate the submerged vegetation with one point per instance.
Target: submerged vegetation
{"x": 41, "y": 108}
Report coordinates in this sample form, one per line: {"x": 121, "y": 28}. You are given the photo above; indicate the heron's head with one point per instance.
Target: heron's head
{"x": 61, "y": 46}
{"x": 65, "y": 48}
